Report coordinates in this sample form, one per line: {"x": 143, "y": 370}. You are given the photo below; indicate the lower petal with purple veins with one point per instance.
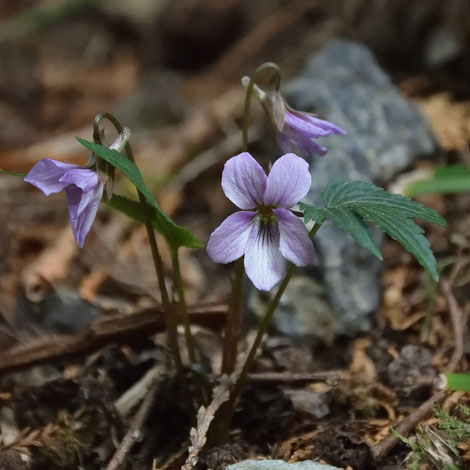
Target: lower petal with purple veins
{"x": 294, "y": 243}
{"x": 228, "y": 241}
{"x": 264, "y": 264}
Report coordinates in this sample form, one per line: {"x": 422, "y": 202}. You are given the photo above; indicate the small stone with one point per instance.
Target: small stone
{"x": 279, "y": 465}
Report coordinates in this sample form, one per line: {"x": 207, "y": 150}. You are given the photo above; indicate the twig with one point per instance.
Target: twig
{"x": 410, "y": 422}
{"x": 457, "y": 319}
{"x": 136, "y": 393}
{"x": 330, "y": 376}
{"x": 134, "y": 433}
{"x": 111, "y": 329}
{"x": 381, "y": 449}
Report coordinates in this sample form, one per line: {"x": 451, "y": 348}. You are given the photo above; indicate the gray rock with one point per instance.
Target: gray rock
{"x": 386, "y": 133}
{"x": 305, "y": 297}
{"x": 309, "y": 402}
{"x": 279, "y": 465}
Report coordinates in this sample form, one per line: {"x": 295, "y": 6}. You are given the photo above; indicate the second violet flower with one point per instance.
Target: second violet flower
{"x": 265, "y": 230}
{"x": 83, "y": 191}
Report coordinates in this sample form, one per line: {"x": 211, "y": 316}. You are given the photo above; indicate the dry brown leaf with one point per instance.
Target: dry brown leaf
{"x": 51, "y": 265}
{"x": 449, "y": 119}
{"x": 361, "y": 363}
{"x": 298, "y": 448}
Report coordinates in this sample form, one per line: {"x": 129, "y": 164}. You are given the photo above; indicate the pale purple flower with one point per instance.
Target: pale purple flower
{"x": 299, "y": 131}
{"x": 83, "y": 191}
{"x": 265, "y": 230}
{"x": 295, "y": 130}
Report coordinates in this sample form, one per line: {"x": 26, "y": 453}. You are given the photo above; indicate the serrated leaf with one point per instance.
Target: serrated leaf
{"x": 175, "y": 235}
{"x": 446, "y": 180}
{"x": 345, "y": 219}
{"x": 349, "y": 204}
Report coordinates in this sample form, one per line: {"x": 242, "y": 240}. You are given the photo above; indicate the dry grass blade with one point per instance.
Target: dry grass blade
{"x": 205, "y": 416}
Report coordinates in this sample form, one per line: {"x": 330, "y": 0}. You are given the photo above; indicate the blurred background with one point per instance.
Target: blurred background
{"x": 170, "y": 71}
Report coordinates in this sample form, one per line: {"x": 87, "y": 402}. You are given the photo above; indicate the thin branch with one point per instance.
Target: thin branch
{"x": 382, "y": 448}
{"x": 457, "y": 318}
{"x": 134, "y": 433}
{"x": 329, "y": 376}
{"x": 110, "y": 329}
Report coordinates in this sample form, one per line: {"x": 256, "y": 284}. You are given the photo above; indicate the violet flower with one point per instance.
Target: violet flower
{"x": 299, "y": 129}
{"x": 265, "y": 230}
{"x": 83, "y": 191}
{"x": 295, "y": 130}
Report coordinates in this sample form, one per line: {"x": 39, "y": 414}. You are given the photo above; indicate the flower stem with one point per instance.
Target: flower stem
{"x": 246, "y": 111}
{"x": 178, "y": 282}
{"x": 157, "y": 261}
{"x": 234, "y": 315}
{"x": 263, "y": 328}
{"x": 234, "y": 320}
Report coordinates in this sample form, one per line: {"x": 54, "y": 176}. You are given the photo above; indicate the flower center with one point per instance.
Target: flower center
{"x": 266, "y": 213}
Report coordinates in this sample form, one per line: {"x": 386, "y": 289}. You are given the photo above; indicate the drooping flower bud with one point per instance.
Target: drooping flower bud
{"x": 295, "y": 130}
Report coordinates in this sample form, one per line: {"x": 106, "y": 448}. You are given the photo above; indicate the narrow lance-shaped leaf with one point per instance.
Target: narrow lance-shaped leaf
{"x": 349, "y": 204}
{"x": 446, "y": 180}
{"x": 175, "y": 235}
{"x": 459, "y": 382}
{"x": 131, "y": 208}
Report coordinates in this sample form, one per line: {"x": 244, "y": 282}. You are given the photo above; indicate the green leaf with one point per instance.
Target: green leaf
{"x": 446, "y": 180}
{"x": 174, "y": 234}
{"x": 347, "y": 220}
{"x": 458, "y": 382}
{"x": 11, "y": 173}
{"x": 412, "y": 445}
{"x": 349, "y": 204}
{"x": 135, "y": 210}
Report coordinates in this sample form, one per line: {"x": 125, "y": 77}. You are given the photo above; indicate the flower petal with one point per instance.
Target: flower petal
{"x": 82, "y": 206}
{"x": 301, "y": 145}
{"x": 288, "y": 182}
{"x": 325, "y": 125}
{"x": 46, "y": 175}
{"x": 308, "y": 125}
{"x": 264, "y": 264}
{"x": 244, "y": 181}
{"x": 228, "y": 241}
{"x": 294, "y": 244}
{"x": 84, "y": 178}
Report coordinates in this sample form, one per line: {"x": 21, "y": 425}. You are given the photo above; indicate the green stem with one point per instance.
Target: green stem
{"x": 249, "y": 91}
{"x": 263, "y": 328}
{"x": 178, "y": 282}
{"x": 157, "y": 261}
{"x": 234, "y": 320}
